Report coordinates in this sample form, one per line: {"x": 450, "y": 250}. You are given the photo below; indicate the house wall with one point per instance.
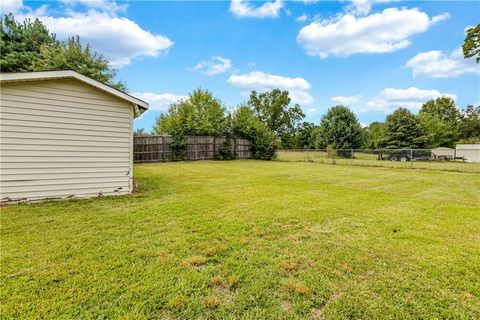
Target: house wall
{"x": 64, "y": 138}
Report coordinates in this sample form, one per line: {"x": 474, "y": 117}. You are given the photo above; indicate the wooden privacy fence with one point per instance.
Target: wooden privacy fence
{"x": 157, "y": 148}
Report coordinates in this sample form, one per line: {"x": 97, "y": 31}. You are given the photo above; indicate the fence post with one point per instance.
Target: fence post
{"x": 411, "y": 158}
{"x": 351, "y": 156}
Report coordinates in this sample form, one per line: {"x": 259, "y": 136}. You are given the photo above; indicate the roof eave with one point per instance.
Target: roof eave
{"x": 64, "y": 74}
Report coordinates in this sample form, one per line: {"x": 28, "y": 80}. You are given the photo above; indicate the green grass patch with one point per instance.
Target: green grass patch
{"x": 371, "y": 160}
{"x": 250, "y": 239}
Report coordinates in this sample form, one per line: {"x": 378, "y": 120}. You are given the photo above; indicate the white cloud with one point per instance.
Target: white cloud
{"x": 300, "y": 97}
{"x": 302, "y": 18}
{"x": 261, "y": 81}
{"x": 243, "y": 9}
{"x": 438, "y": 64}
{"x": 441, "y": 17}
{"x": 412, "y": 98}
{"x": 362, "y": 7}
{"x": 119, "y": 39}
{"x": 159, "y": 101}
{"x": 215, "y": 65}
{"x": 386, "y": 31}
{"x": 105, "y": 5}
{"x": 346, "y": 100}
{"x": 7, "y": 6}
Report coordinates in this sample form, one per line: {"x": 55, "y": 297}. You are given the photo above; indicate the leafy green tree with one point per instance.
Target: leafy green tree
{"x": 20, "y": 43}
{"x": 200, "y": 114}
{"x": 440, "y": 120}
{"x": 470, "y": 125}
{"x": 403, "y": 130}
{"x": 306, "y": 134}
{"x": 29, "y": 46}
{"x": 339, "y": 129}
{"x": 247, "y": 125}
{"x": 374, "y": 135}
{"x": 438, "y": 133}
{"x": 71, "y": 55}
{"x": 443, "y": 108}
{"x": 471, "y": 44}
{"x": 241, "y": 121}
{"x": 273, "y": 109}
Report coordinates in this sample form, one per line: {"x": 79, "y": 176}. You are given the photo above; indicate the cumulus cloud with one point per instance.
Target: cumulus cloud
{"x": 159, "y": 101}
{"x": 386, "y": 31}
{"x": 106, "y": 5}
{"x": 117, "y": 38}
{"x": 7, "y": 6}
{"x": 215, "y": 65}
{"x": 243, "y": 9}
{"x": 412, "y": 98}
{"x": 362, "y": 7}
{"x": 302, "y": 18}
{"x": 346, "y": 100}
{"x": 261, "y": 81}
{"x": 438, "y": 64}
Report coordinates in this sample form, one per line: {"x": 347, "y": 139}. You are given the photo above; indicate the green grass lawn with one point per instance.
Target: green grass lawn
{"x": 250, "y": 239}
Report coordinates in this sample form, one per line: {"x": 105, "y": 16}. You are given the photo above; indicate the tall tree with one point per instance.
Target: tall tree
{"x": 375, "y": 135}
{"x": 72, "y": 55}
{"x": 403, "y": 130}
{"x": 471, "y": 44}
{"x": 339, "y": 129}
{"x": 241, "y": 121}
{"x": 440, "y": 120}
{"x": 305, "y": 137}
{"x": 443, "y": 108}
{"x": 20, "y": 43}
{"x": 29, "y": 46}
{"x": 273, "y": 108}
{"x": 470, "y": 126}
{"x": 201, "y": 114}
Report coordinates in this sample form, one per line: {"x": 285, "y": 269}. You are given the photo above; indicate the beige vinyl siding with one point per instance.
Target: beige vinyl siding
{"x": 62, "y": 139}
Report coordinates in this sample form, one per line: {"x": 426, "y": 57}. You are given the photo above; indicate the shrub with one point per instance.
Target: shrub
{"x": 178, "y": 145}
{"x": 226, "y": 151}
{"x": 332, "y": 154}
{"x": 265, "y": 142}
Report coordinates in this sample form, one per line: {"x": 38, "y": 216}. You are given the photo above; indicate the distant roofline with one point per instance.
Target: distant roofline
{"x": 70, "y": 74}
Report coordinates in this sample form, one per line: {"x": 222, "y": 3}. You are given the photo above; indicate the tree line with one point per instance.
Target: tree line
{"x": 271, "y": 122}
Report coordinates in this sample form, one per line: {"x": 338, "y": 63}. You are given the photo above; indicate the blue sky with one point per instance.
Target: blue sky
{"x": 372, "y": 55}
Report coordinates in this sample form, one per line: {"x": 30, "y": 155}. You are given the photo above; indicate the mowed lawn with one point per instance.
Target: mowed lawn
{"x": 251, "y": 239}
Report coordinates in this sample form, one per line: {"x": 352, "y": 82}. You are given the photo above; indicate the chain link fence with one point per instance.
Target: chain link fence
{"x": 462, "y": 160}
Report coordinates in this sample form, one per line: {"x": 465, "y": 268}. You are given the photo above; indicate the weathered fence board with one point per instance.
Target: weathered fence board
{"x": 157, "y": 148}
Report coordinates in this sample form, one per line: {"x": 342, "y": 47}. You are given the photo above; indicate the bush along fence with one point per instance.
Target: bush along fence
{"x": 165, "y": 148}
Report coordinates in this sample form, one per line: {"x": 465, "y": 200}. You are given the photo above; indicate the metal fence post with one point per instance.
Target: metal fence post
{"x": 411, "y": 158}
